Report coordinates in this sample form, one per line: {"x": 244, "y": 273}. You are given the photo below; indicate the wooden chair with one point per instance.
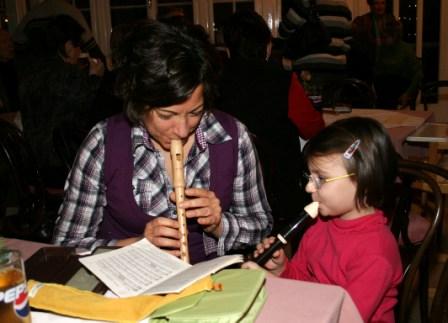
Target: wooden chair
{"x": 439, "y": 309}
{"x": 440, "y": 174}
{"x": 24, "y": 209}
{"x": 416, "y": 255}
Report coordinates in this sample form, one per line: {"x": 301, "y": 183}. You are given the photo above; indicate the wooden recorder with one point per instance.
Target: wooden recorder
{"x": 177, "y": 160}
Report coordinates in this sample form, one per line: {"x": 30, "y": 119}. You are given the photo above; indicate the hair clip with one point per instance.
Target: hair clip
{"x": 352, "y": 149}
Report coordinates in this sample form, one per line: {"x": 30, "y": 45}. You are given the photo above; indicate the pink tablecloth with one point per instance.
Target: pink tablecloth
{"x": 27, "y": 248}
{"x": 288, "y": 300}
{"x": 297, "y": 301}
{"x": 399, "y": 123}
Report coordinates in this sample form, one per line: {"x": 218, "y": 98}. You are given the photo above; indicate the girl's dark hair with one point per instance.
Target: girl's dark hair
{"x": 374, "y": 162}
{"x": 160, "y": 65}
{"x": 247, "y": 35}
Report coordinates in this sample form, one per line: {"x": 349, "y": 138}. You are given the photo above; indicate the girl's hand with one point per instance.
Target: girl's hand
{"x": 277, "y": 263}
{"x": 205, "y": 206}
{"x": 253, "y": 265}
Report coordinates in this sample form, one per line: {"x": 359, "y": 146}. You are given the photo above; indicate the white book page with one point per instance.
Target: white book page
{"x": 133, "y": 269}
{"x": 194, "y": 273}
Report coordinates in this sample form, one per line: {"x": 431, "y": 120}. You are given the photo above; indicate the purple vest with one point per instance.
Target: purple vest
{"x": 122, "y": 216}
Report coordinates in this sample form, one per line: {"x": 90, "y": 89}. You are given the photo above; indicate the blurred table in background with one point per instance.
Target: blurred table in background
{"x": 399, "y": 123}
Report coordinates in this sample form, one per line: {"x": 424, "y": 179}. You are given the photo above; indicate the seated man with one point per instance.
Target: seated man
{"x": 273, "y": 105}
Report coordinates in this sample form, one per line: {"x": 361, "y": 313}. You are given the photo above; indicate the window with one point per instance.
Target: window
{"x": 3, "y": 15}
{"x": 166, "y": 8}
{"x": 408, "y": 14}
{"x": 222, "y": 10}
{"x": 84, "y": 7}
{"x": 430, "y": 37}
{"x": 127, "y": 11}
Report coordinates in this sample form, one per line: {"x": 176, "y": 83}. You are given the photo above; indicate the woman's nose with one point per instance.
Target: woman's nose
{"x": 181, "y": 128}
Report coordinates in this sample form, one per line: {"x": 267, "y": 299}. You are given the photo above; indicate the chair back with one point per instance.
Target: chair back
{"x": 351, "y": 92}
{"x": 415, "y": 254}
{"x": 66, "y": 141}
{"x": 429, "y": 92}
{"x": 24, "y": 200}
{"x": 439, "y": 308}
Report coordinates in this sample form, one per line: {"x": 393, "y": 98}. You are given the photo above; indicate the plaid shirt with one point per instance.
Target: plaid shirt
{"x": 247, "y": 221}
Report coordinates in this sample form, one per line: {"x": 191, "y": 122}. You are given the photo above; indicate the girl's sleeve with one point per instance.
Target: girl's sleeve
{"x": 296, "y": 268}
{"x": 301, "y": 111}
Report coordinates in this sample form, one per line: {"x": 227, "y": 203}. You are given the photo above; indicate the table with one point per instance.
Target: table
{"x": 399, "y": 123}
{"x": 287, "y": 301}
{"x": 435, "y": 134}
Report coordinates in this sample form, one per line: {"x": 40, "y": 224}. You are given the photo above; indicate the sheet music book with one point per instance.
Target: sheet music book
{"x": 142, "y": 268}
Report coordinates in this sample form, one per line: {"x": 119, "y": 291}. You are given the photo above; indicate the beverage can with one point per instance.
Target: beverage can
{"x": 14, "y": 306}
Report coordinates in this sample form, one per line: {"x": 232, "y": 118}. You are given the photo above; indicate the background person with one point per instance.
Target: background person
{"x": 39, "y": 15}
{"x": 9, "y": 99}
{"x": 368, "y": 32}
{"x": 55, "y": 91}
{"x": 317, "y": 34}
{"x": 272, "y": 104}
{"x": 397, "y": 74}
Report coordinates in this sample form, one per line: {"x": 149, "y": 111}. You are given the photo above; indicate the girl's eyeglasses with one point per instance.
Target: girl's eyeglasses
{"x": 318, "y": 181}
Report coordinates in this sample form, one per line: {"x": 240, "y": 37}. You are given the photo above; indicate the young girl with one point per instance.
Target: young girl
{"x": 352, "y": 167}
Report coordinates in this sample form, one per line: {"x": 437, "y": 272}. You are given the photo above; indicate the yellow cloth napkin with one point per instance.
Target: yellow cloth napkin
{"x": 88, "y": 305}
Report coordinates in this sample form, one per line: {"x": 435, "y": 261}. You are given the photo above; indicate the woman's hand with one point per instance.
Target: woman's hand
{"x": 275, "y": 265}
{"x": 205, "y": 206}
{"x": 164, "y": 233}
{"x": 161, "y": 232}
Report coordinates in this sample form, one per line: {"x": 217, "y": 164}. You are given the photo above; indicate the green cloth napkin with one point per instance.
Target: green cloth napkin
{"x": 241, "y": 298}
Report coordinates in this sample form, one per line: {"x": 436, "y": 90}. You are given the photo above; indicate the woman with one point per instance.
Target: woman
{"x": 120, "y": 187}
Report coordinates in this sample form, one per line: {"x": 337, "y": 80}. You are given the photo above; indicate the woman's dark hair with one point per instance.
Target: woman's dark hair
{"x": 48, "y": 36}
{"x": 374, "y": 163}
{"x": 160, "y": 65}
{"x": 247, "y": 35}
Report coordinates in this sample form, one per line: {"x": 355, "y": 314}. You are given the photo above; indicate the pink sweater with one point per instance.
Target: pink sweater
{"x": 359, "y": 255}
